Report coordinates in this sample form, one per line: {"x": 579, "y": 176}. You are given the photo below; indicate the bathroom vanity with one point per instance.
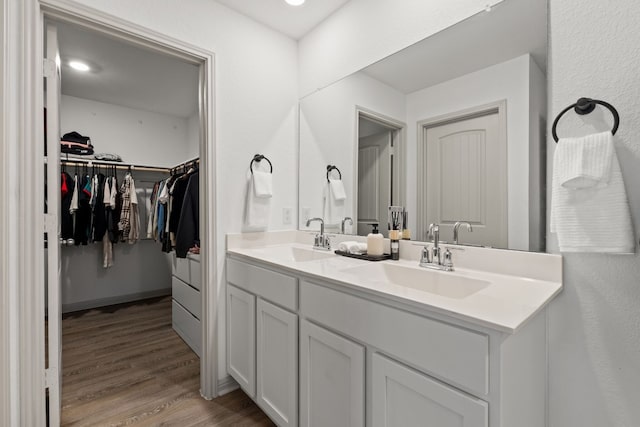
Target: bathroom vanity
{"x": 322, "y": 340}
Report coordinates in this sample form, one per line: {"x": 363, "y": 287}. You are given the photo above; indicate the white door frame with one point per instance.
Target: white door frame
{"x": 22, "y": 221}
{"x": 401, "y": 129}
{"x": 499, "y": 107}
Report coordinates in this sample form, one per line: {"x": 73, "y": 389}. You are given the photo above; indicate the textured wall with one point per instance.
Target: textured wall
{"x": 594, "y": 325}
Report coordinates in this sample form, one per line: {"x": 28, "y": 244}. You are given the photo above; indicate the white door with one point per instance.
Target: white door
{"x": 466, "y": 179}
{"x": 277, "y": 363}
{"x": 52, "y": 225}
{"x": 374, "y": 182}
{"x": 331, "y": 379}
{"x": 407, "y": 398}
{"x": 241, "y": 338}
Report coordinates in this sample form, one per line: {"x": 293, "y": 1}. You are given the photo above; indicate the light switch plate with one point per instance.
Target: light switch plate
{"x": 306, "y": 213}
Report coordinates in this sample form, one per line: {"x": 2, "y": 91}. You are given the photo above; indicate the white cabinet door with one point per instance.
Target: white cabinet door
{"x": 277, "y": 363}
{"x": 241, "y": 338}
{"x": 404, "y": 397}
{"x": 331, "y": 379}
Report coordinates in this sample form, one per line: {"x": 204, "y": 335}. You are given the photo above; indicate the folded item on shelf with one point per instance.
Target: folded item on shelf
{"x": 74, "y": 143}
{"x": 109, "y": 157}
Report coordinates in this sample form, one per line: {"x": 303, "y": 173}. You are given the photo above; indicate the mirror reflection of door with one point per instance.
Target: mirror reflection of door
{"x": 466, "y": 177}
{"x": 377, "y": 173}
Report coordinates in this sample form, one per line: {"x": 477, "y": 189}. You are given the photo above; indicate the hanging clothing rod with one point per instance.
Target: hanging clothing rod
{"x": 183, "y": 164}
{"x": 117, "y": 165}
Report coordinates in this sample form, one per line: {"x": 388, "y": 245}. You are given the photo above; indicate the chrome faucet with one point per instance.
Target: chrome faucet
{"x": 346, "y": 218}
{"x": 456, "y": 226}
{"x": 433, "y": 258}
{"x": 320, "y": 241}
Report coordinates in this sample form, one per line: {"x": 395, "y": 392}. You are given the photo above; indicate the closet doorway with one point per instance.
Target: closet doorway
{"x": 147, "y": 99}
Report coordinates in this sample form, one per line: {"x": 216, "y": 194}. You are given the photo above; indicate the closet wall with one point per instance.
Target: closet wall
{"x": 140, "y": 270}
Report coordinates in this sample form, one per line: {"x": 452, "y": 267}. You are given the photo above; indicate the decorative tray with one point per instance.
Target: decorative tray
{"x": 364, "y": 256}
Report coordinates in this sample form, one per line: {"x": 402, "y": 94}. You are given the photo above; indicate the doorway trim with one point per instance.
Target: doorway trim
{"x": 499, "y": 107}
{"x": 23, "y": 222}
{"x": 401, "y": 132}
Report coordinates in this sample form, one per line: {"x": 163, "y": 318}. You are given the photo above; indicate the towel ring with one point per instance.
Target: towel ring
{"x": 333, "y": 167}
{"x": 258, "y": 158}
{"x": 585, "y": 106}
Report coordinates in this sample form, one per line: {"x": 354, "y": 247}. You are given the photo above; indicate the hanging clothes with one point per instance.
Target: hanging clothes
{"x": 82, "y": 228}
{"x": 188, "y": 230}
{"x": 129, "y": 224}
{"x": 99, "y": 213}
{"x": 152, "y": 210}
{"x": 66, "y": 219}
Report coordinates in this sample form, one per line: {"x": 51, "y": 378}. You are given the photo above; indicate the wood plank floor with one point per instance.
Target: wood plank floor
{"x": 124, "y": 365}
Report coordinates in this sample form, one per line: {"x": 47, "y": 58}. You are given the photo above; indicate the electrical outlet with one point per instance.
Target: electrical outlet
{"x": 286, "y": 215}
{"x": 306, "y": 213}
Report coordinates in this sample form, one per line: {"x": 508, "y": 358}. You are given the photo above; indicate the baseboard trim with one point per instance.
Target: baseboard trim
{"x": 120, "y": 299}
{"x": 227, "y": 385}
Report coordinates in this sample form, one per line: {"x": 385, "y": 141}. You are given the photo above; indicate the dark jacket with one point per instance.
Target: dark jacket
{"x": 188, "y": 232}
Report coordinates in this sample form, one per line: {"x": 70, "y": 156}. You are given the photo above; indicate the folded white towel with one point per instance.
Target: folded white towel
{"x": 353, "y": 247}
{"x": 591, "y": 219}
{"x": 262, "y": 184}
{"x": 337, "y": 189}
{"x": 334, "y": 209}
{"x": 258, "y": 208}
{"x": 585, "y": 162}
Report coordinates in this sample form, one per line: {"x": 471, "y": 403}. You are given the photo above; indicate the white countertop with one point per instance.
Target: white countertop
{"x": 499, "y": 301}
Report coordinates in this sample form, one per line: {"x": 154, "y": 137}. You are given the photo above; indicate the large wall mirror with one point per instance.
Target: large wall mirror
{"x": 452, "y": 128}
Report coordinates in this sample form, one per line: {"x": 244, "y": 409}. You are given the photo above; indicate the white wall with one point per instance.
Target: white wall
{"x": 594, "y": 325}
{"x": 256, "y": 104}
{"x": 139, "y": 137}
{"x": 537, "y": 157}
{"x": 508, "y": 80}
{"x": 193, "y": 137}
{"x": 365, "y": 31}
{"x": 328, "y": 129}
{"x": 5, "y": 383}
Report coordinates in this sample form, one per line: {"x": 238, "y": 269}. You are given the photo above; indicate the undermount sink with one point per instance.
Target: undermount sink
{"x": 445, "y": 284}
{"x": 296, "y": 254}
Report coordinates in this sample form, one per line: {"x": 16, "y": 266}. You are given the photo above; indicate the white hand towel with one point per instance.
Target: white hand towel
{"x": 334, "y": 209}
{"x": 337, "y": 189}
{"x": 353, "y": 247}
{"x": 591, "y": 219}
{"x": 585, "y": 162}
{"x": 262, "y": 184}
{"x": 258, "y": 208}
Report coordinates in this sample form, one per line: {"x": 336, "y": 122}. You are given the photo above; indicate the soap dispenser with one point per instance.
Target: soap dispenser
{"x": 375, "y": 242}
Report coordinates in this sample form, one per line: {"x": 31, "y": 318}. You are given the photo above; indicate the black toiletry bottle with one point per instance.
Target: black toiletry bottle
{"x": 394, "y": 236}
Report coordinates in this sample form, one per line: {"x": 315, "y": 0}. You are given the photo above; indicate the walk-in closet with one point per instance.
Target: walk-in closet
{"x": 129, "y": 246}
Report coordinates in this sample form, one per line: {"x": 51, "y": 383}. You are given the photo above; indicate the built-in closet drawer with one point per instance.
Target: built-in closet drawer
{"x": 458, "y": 355}
{"x": 187, "y": 326}
{"x": 181, "y": 268}
{"x": 187, "y": 296}
{"x": 195, "y": 276}
{"x": 271, "y": 285}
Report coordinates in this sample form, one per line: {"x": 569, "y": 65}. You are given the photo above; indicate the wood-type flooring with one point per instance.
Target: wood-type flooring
{"x": 124, "y": 365}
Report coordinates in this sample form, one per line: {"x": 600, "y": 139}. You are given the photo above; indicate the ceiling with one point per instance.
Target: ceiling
{"x": 126, "y": 75}
{"x": 294, "y": 21}
{"x": 512, "y": 28}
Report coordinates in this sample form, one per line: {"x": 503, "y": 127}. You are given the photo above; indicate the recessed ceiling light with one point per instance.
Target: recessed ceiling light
{"x": 294, "y": 2}
{"x": 80, "y": 66}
